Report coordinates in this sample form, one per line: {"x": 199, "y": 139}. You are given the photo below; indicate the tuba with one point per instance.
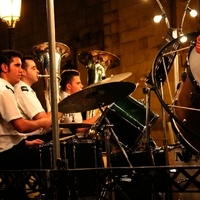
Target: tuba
{"x": 97, "y": 62}
{"x": 41, "y": 54}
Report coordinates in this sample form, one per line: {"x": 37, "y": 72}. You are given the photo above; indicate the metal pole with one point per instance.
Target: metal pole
{"x": 176, "y": 62}
{"x": 54, "y": 103}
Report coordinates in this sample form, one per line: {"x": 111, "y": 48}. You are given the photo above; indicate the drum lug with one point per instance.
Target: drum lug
{"x": 184, "y": 121}
{"x": 192, "y": 97}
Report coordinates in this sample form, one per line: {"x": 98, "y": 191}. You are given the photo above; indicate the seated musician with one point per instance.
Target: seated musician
{"x": 27, "y": 100}
{"x": 13, "y": 146}
{"x": 71, "y": 83}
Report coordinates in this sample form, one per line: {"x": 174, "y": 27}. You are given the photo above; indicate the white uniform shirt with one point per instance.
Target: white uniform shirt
{"x": 8, "y": 112}
{"x": 70, "y": 117}
{"x": 27, "y": 100}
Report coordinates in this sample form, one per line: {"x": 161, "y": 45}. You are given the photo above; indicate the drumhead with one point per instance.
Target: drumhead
{"x": 194, "y": 65}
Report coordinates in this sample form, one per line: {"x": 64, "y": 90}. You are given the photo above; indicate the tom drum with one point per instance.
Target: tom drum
{"x": 128, "y": 117}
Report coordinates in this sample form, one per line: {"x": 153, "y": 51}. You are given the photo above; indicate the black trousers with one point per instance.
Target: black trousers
{"x": 20, "y": 157}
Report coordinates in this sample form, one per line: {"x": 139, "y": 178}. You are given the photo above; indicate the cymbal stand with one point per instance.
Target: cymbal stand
{"x": 118, "y": 142}
{"x": 146, "y": 91}
{"x": 165, "y": 141}
{"x": 108, "y": 130}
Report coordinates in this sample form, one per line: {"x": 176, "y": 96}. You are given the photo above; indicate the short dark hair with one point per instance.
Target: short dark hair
{"x": 24, "y": 58}
{"x": 66, "y": 77}
{"x": 6, "y": 56}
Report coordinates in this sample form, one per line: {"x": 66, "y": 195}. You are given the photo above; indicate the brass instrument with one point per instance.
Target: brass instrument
{"x": 97, "y": 62}
{"x": 41, "y": 54}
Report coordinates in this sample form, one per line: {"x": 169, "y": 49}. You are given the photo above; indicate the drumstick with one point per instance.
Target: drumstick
{"x": 65, "y": 138}
{"x": 182, "y": 107}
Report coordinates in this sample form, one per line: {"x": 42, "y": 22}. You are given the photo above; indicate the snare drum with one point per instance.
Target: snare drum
{"x": 128, "y": 117}
{"x": 76, "y": 153}
{"x": 188, "y": 96}
{"x": 82, "y": 153}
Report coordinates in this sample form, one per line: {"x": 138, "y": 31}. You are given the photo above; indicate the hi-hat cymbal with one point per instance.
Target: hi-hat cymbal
{"x": 106, "y": 59}
{"x": 114, "y": 78}
{"x": 75, "y": 125}
{"x": 93, "y": 97}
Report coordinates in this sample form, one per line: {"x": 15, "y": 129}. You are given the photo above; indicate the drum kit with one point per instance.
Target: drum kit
{"x": 124, "y": 121}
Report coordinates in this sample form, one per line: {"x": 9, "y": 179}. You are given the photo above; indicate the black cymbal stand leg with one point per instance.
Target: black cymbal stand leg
{"x": 147, "y": 91}
{"x": 117, "y": 140}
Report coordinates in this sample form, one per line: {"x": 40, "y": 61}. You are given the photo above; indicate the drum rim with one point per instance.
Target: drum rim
{"x": 182, "y": 137}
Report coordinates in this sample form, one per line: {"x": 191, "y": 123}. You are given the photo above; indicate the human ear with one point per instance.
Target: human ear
{"x": 68, "y": 86}
{"x": 4, "y": 67}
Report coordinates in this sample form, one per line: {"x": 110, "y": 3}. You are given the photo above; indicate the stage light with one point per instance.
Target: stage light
{"x": 10, "y": 13}
{"x": 183, "y": 38}
{"x": 157, "y": 18}
{"x": 193, "y": 13}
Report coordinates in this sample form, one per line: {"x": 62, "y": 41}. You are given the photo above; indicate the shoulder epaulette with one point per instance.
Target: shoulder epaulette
{"x": 24, "y": 88}
{"x": 9, "y": 88}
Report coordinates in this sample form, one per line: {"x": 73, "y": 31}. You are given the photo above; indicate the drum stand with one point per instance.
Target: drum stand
{"x": 108, "y": 131}
{"x": 146, "y": 91}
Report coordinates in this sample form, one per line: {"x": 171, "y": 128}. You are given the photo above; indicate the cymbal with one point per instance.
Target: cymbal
{"x": 93, "y": 97}
{"x": 106, "y": 59}
{"x": 74, "y": 125}
{"x": 113, "y": 78}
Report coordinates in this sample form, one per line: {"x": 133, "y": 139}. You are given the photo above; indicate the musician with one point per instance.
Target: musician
{"x": 71, "y": 83}
{"x": 27, "y": 100}
{"x": 14, "y": 153}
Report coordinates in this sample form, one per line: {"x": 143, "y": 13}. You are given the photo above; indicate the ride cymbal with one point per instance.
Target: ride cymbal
{"x": 94, "y": 97}
{"x": 113, "y": 78}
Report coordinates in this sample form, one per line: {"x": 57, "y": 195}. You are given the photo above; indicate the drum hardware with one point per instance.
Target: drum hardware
{"x": 165, "y": 141}
{"x": 108, "y": 131}
{"x": 146, "y": 91}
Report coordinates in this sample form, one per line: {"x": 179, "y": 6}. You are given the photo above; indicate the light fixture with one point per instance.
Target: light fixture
{"x": 183, "y": 38}
{"x": 10, "y": 11}
{"x": 193, "y": 13}
{"x": 157, "y": 18}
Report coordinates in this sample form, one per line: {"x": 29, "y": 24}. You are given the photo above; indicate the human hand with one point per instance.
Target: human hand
{"x": 46, "y": 123}
{"x": 32, "y": 143}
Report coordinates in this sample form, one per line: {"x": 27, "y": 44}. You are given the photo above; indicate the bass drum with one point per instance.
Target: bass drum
{"x": 187, "y": 104}
{"x": 128, "y": 117}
